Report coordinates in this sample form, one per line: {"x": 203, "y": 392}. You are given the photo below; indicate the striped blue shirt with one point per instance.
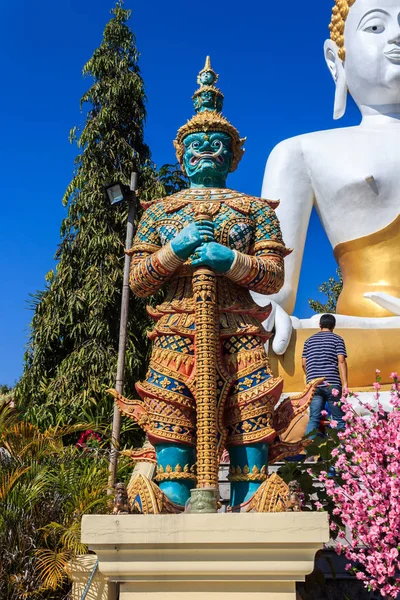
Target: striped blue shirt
{"x": 321, "y": 352}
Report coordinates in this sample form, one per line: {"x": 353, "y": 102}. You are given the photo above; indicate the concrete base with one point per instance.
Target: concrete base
{"x": 216, "y": 556}
{"x": 80, "y": 570}
{"x": 201, "y": 591}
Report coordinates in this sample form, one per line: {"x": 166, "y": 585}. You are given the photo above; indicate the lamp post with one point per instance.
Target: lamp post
{"x": 116, "y": 193}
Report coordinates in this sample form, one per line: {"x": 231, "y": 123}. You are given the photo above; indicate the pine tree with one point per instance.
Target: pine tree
{"x": 332, "y": 290}
{"x": 72, "y": 356}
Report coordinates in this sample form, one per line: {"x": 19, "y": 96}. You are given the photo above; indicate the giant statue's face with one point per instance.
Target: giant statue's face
{"x": 207, "y": 157}
{"x": 372, "y": 43}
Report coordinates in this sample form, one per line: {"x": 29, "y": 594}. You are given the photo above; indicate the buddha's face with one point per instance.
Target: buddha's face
{"x": 372, "y": 43}
{"x": 207, "y": 158}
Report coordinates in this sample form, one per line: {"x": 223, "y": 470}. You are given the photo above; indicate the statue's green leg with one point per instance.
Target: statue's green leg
{"x": 175, "y": 471}
{"x": 247, "y": 471}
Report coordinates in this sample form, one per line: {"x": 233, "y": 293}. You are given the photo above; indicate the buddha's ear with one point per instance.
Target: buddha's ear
{"x": 335, "y": 66}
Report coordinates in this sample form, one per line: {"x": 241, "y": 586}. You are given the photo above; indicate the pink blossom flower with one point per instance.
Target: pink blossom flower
{"x": 324, "y": 413}
{"x": 394, "y": 375}
{"x": 333, "y": 423}
{"x": 377, "y": 371}
{"x": 335, "y": 392}
{"x": 366, "y": 496}
{"x": 377, "y": 385}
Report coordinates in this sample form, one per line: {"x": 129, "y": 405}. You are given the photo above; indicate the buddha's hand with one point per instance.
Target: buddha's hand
{"x": 278, "y": 322}
{"x": 213, "y": 255}
{"x": 191, "y": 237}
{"x": 281, "y": 322}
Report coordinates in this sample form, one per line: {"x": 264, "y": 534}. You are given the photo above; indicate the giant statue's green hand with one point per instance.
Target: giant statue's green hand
{"x": 191, "y": 237}
{"x": 213, "y": 255}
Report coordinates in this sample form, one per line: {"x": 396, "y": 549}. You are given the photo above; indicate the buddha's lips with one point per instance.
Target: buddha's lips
{"x": 393, "y": 55}
{"x": 207, "y": 155}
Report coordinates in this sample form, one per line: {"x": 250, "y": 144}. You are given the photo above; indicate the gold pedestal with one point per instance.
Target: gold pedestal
{"x": 367, "y": 349}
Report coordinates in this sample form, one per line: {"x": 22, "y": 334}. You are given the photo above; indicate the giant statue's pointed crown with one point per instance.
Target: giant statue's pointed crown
{"x": 208, "y": 102}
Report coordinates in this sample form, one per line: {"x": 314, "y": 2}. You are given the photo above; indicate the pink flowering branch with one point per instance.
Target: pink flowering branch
{"x": 365, "y": 492}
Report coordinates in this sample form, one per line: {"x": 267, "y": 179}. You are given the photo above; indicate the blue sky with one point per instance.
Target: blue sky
{"x": 272, "y": 72}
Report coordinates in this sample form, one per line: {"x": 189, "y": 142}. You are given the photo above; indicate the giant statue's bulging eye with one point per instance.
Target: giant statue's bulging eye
{"x": 217, "y": 144}
{"x": 195, "y": 145}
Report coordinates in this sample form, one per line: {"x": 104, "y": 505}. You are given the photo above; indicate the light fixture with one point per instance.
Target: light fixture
{"x": 117, "y": 192}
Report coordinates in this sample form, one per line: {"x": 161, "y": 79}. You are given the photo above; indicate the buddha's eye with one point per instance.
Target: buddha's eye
{"x": 375, "y": 29}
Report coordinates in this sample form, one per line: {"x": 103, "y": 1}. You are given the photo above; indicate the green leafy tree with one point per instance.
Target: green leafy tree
{"x": 72, "y": 356}
{"x": 46, "y": 486}
{"x": 172, "y": 178}
{"x": 332, "y": 290}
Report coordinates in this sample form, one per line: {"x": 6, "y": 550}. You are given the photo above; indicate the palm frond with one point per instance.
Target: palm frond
{"x": 8, "y": 480}
{"x": 51, "y": 566}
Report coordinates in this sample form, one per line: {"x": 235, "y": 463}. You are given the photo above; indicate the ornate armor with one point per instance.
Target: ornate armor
{"x": 247, "y": 393}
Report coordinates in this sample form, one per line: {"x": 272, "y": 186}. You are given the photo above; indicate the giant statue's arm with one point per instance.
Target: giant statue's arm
{"x": 262, "y": 270}
{"x": 287, "y": 179}
{"x": 152, "y": 264}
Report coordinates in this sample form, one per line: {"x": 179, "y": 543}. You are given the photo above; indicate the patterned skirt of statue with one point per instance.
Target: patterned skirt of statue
{"x": 247, "y": 392}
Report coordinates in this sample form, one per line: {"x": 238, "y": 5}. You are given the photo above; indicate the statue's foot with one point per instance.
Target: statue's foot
{"x": 145, "y": 497}
{"x": 386, "y": 301}
{"x": 271, "y": 496}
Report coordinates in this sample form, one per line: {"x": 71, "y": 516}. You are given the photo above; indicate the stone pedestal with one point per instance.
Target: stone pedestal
{"x": 80, "y": 570}
{"x": 213, "y": 557}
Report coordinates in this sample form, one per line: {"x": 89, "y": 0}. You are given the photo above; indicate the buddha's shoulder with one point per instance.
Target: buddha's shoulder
{"x": 301, "y": 147}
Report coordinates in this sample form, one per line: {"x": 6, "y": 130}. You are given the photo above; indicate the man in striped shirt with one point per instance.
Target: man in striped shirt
{"x": 324, "y": 355}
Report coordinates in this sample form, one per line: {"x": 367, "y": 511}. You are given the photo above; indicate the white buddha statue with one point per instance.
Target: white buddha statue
{"x": 352, "y": 176}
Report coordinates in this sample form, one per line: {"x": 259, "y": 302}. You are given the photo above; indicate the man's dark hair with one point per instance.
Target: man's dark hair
{"x": 327, "y": 322}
